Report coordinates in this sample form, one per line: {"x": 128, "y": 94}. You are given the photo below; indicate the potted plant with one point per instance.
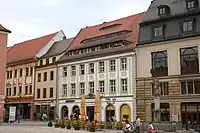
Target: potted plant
{"x": 92, "y": 127}
{"x": 109, "y": 125}
{"x": 62, "y": 124}
{"x": 102, "y": 125}
{"x": 50, "y": 123}
{"x": 119, "y": 125}
{"x": 68, "y": 124}
{"x": 57, "y": 124}
{"x": 77, "y": 125}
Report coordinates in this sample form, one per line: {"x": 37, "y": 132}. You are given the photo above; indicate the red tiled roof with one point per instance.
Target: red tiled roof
{"x": 4, "y": 29}
{"x": 28, "y": 49}
{"x": 130, "y": 23}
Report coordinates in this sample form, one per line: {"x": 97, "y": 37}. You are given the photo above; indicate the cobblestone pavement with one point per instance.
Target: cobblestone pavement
{"x": 39, "y": 129}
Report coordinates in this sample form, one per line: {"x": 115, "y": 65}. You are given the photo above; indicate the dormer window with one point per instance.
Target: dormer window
{"x": 158, "y": 31}
{"x": 163, "y": 10}
{"x": 191, "y": 4}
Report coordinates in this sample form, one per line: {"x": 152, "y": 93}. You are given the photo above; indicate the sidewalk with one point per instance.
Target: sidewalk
{"x": 26, "y": 123}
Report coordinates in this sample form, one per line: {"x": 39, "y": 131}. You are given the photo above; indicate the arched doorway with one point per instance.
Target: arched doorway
{"x": 125, "y": 112}
{"x": 75, "y": 112}
{"x": 64, "y": 112}
{"x": 110, "y": 112}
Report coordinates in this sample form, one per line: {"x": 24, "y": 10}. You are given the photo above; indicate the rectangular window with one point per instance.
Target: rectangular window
{"x": 73, "y": 70}
{"x": 189, "y": 60}
{"x": 38, "y": 93}
{"x": 39, "y": 77}
{"x": 112, "y": 65}
{"x": 91, "y": 87}
{"x": 51, "y": 93}
{"x": 82, "y": 69}
{"x": 51, "y": 75}
{"x": 112, "y": 86}
{"x": 158, "y": 31}
{"x": 21, "y": 72}
{"x": 188, "y": 26}
{"x": 44, "y": 92}
{"x": 15, "y": 73}
{"x": 7, "y": 91}
{"x": 65, "y": 90}
{"x": 27, "y": 71}
{"x": 64, "y": 71}
{"x": 82, "y": 86}
{"x": 101, "y": 86}
{"x": 14, "y": 91}
{"x": 123, "y": 64}
{"x": 53, "y": 59}
{"x": 20, "y": 90}
{"x": 10, "y": 92}
{"x": 26, "y": 90}
{"x": 47, "y": 61}
{"x": 124, "y": 85}
{"x": 190, "y": 87}
{"x": 101, "y": 67}
{"x": 31, "y": 71}
{"x": 160, "y": 63}
{"x": 162, "y": 11}
{"x": 91, "y": 68}
{"x": 190, "y": 4}
{"x": 73, "y": 89}
{"x": 41, "y": 62}
{"x": 10, "y": 74}
{"x": 30, "y": 90}
{"x": 164, "y": 89}
{"x": 45, "y": 76}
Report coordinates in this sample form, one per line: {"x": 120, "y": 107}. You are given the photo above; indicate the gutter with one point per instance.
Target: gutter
{"x": 57, "y": 93}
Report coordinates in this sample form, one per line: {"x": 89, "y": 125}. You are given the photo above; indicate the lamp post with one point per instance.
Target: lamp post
{"x": 19, "y": 114}
{"x": 157, "y": 96}
{"x": 110, "y": 101}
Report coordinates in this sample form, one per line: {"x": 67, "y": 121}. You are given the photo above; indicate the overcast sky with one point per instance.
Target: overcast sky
{"x": 28, "y": 19}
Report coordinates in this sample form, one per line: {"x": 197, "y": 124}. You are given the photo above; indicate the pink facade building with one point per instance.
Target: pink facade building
{"x": 3, "y": 50}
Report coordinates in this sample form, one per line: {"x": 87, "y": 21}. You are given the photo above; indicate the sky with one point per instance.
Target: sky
{"x": 28, "y": 19}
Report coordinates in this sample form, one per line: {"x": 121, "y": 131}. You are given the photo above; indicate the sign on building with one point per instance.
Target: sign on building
{"x": 174, "y": 117}
{"x": 12, "y": 113}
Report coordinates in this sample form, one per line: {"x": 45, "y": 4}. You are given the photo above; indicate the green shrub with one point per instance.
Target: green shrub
{"x": 68, "y": 124}
{"x": 92, "y": 127}
{"x": 77, "y": 125}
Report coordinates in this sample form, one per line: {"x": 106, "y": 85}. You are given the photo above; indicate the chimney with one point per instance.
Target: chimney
{"x": 3, "y": 53}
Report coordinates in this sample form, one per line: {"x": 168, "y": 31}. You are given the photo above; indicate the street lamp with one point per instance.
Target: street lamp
{"x": 157, "y": 95}
{"x": 19, "y": 113}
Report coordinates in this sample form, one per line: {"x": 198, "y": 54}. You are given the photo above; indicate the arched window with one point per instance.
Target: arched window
{"x": 64, "y": 112}
{"x": 159, "y": 63}
{"x": 189, "y": 60}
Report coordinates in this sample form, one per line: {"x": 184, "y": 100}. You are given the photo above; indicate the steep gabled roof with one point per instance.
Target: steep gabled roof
{"x": 58, "y": 48}
{"x": 28, "y": 49}
{"x": 130, "y": 23}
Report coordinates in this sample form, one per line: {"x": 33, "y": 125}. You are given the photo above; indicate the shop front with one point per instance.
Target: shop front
{"x": 190, "y": 113}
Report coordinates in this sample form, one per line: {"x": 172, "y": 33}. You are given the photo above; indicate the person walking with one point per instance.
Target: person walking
{"x": 138, "y": 124}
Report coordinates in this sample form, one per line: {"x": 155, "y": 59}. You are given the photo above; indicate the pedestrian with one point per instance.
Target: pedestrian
{"x": 138, "y": 123}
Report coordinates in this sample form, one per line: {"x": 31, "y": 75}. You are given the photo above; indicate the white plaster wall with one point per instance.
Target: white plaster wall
{"x": 130, "y": 74}
{"x": 58, "y": 37}
{"x": 144, "y": 55}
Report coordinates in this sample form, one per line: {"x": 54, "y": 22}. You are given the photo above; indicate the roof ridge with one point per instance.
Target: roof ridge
{"x": 114, "y": 20}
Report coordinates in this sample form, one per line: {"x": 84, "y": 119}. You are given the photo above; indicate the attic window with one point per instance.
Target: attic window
{"x": 109, "y": 26}
{"x": 191, "y": 4}
{"x": 163, "y": 10}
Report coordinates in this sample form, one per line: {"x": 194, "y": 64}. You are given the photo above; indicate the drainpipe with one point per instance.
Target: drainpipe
{"x": 57, "y": 93}
{"x": 135, "y": 97}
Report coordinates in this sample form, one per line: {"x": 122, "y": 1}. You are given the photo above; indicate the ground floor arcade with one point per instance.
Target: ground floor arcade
{"x": 123, "y": 107}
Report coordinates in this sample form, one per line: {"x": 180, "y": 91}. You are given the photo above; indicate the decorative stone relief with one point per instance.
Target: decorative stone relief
{"x": 28, "y": 80}
{"x": 101, "y": 76}
{"x": 15, "y": 81}
{"x": 64, "y": 80}
{"x": 123, "y": 73}
{"x": 73, "y": 79}
{"x": 91, "y": 77}
{"x": 112, "y": 74}
{"x": 20, "y": 80}
{"x": 82, "y": 77}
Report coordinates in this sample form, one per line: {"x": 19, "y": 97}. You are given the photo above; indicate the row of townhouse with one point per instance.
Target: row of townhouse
{"x": 116, "y": 58}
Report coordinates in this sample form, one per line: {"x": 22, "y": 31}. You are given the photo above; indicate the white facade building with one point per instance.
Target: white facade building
{"x": 119, "y": 83}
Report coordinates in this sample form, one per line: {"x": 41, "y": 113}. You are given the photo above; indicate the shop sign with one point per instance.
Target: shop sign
{"x": 69, "y": 100}
{"x": 12, "y": 113}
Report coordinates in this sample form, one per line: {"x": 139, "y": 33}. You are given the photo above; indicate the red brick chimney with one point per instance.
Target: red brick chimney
{"x": 3, "y": 52}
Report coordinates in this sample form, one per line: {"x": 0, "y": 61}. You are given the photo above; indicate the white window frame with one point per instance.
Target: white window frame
{"x": 102, "y": 86}
{"x": 124, "y": 85}
{"x": 112, "y": 65}
{"x": 73, "y": 70}
{"x": 123, "y": 63}
{"x": 82, "y": 69}
{"x": 82, "y": 88}
{"x": 91, "y": 87}
{"x": 64, "y": 89}
{"x": 64, "y": 71}
{"x": 190, "y": 4}
{"x": 91, "y": 68}
{"x": 113, "y": 86}
{"x": 73, "y": 89}
{"x": 101, "y": 67}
